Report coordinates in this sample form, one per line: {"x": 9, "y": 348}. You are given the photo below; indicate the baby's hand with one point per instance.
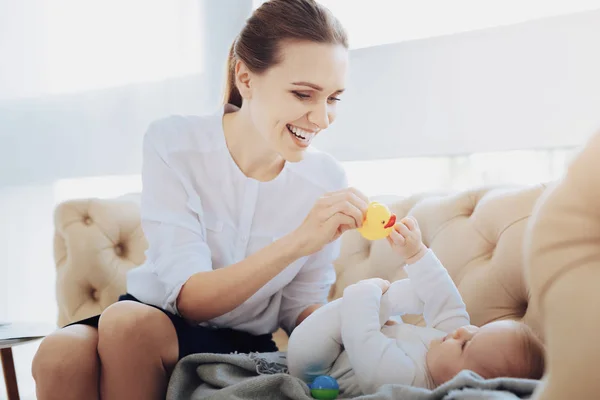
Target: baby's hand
{"x": 406, "y": 240}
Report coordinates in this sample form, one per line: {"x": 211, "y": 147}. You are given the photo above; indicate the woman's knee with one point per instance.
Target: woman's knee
{"x": 128, "y": 326}
{"x": 66, "y": 354}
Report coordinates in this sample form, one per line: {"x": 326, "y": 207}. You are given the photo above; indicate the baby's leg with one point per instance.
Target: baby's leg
{"x": 399, "y": 299}
{"x": 316, "y": 343}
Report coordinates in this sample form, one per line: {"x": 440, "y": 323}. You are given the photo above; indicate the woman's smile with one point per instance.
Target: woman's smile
{"x": 301, "y": 136}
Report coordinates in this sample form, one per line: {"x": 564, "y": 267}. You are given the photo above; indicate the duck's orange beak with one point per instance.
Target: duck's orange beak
{"x": 391, "y": 222}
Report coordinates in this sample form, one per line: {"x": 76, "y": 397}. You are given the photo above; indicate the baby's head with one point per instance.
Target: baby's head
{"x": 502, "y": 348}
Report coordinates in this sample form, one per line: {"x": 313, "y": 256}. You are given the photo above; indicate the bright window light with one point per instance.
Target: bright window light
{"x": 408, "y": 176}
{"x": 378, "y": 22}
{"x": 398, "y": 177}
{"x": 67, "y": 46}
{"x": 103, "y": 187}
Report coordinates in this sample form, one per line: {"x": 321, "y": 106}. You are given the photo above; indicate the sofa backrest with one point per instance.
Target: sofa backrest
{"x": 478, "y": 236}
{"x": 96, "y": 242}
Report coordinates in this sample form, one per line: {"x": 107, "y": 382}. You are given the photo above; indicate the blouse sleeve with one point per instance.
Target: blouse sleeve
{"x": 171, "y": 220}
{"x": 310, "y": 286}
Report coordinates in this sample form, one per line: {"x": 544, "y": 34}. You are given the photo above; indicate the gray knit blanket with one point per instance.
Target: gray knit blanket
{"x": 264, "y": 376}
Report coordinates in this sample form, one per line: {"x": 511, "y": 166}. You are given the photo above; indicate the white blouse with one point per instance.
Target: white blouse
{"x": 200, "y": 212}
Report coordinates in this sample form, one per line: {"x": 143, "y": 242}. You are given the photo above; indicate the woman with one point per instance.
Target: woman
{"x": 241, "y": 217}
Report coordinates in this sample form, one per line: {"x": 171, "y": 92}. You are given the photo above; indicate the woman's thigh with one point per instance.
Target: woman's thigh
{"x": 66, "y": 364}
{"x": 71, "y": 346}
{"x": 130, "y": 327}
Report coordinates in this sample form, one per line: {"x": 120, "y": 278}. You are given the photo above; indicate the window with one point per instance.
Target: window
{"x": 96, "y": 187}
{"x": 378, "y": 22}
{"x": 407, "y": 176}
{"x": 399, "y": 177}
{"x": 67, "y": 46}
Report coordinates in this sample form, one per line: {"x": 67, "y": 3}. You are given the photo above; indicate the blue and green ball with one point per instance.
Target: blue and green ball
{"x": 324, "y": 387}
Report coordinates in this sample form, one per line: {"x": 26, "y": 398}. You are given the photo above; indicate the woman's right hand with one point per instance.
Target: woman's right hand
{"x": 332, "y": 215}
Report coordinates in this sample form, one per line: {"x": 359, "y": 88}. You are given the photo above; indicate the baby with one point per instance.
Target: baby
{"x": 353, "y": 339}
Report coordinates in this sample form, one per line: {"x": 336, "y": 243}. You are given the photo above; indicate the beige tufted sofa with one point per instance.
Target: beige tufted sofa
{"x": 477, "y": 234}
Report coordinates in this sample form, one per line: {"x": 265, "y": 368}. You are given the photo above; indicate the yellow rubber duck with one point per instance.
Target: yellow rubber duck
{"x": 378, "y": 223}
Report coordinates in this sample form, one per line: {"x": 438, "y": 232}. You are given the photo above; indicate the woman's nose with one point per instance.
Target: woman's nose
{"x": 319, "y": 116}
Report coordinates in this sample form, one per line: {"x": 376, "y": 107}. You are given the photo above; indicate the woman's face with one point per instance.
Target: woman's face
{"x": 293, "y": 101}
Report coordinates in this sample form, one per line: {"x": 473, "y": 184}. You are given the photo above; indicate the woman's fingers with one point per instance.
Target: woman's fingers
{"x": 333, "y": 214}
{"x": 344, "y": 202}
{"x": 360, "y": 195}
{"x": 351, "y": 195}
{"x": 347, "y": 209}
{"x": 340, "y": 222}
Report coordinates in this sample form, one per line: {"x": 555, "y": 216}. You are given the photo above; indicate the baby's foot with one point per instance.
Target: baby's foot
{"x": 399, "y": 299}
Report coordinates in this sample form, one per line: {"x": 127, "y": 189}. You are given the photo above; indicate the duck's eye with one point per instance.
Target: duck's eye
{"x": 383, "y": 222}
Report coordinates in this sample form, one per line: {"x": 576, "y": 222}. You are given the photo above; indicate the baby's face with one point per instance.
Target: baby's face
{"x": 487, "y": 350}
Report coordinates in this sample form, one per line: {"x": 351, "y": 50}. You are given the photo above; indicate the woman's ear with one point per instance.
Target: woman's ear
{"x": 242, "y": 80}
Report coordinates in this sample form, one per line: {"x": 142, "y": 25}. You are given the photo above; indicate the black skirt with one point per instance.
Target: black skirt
{"x": 199, "y": 339}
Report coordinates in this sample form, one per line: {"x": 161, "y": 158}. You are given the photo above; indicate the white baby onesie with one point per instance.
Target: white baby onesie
{"x": 347, "y": 338}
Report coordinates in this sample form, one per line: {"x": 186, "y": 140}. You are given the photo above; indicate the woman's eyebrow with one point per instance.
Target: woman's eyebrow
{"x": 315, "y": 86}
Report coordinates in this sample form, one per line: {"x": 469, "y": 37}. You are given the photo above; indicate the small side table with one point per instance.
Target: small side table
{"x": 14, "y": 334}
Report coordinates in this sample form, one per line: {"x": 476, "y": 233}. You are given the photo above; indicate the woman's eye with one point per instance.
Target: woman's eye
{"x": 305, "y": 96}
{"x": 301, "y": 96}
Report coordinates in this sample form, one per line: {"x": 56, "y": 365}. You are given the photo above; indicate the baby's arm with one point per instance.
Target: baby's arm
{"x": 444, "y": 308}
{"x": 376, "y": 359}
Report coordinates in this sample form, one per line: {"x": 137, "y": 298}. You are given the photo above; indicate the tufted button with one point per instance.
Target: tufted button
{"x": 95, "y": 295}
{"x": 87, "y": 220}
{"x": 120, "y": 249}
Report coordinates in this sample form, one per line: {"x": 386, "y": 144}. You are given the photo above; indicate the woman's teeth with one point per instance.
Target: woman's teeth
{"x": 301, "y": 134}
